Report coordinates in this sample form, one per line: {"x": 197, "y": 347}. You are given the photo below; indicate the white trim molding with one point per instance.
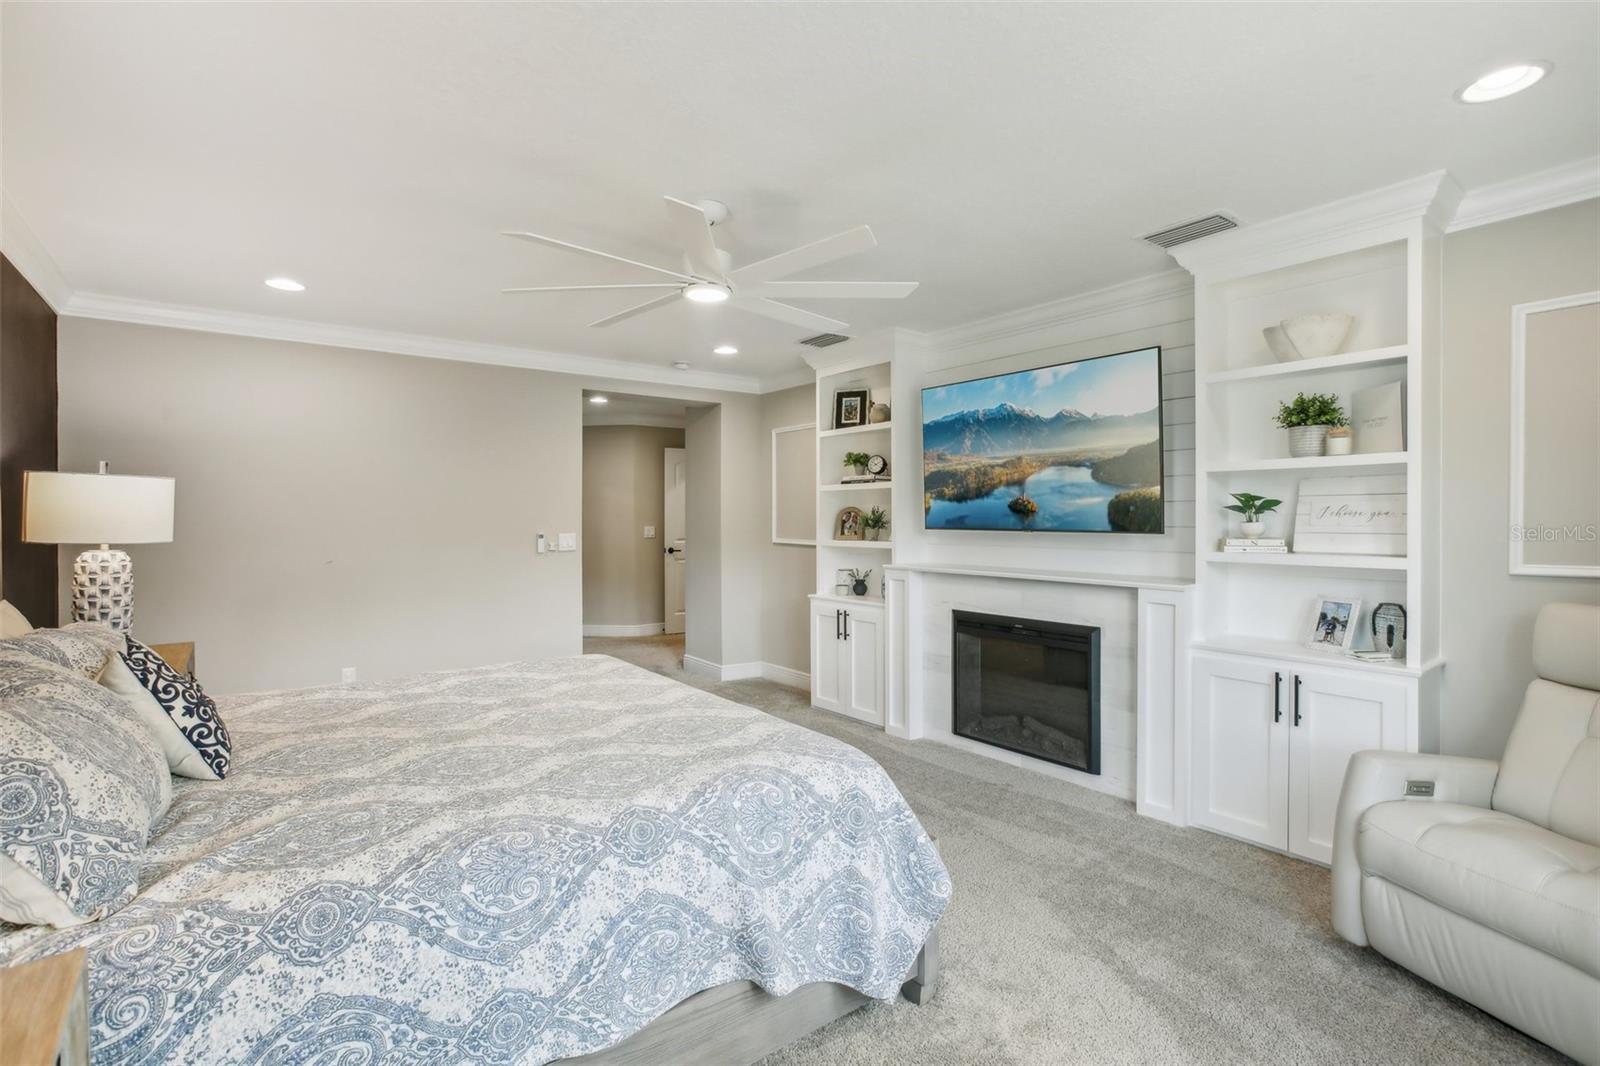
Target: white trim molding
{"x": 1520, "y": 314}
{"x": 641, "y": 629}
{"x": 1541, "y": 191}
{"x": 650, "y": 421}
{"x": 782, "y": 675}
{"x": 30, "y": 258}
{"x": 803, "y": 427}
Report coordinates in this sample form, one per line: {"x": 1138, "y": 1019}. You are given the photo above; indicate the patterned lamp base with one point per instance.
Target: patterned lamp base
{"x": 102, "y": 588}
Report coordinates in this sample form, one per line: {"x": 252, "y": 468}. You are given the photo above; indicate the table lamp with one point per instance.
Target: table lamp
{"x": 60, "y": 508}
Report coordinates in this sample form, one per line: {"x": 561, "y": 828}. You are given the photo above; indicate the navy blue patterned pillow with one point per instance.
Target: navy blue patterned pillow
{"x": 181, "y": 715}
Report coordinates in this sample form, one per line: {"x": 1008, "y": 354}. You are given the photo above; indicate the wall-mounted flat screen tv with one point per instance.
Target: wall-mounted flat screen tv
{"x": 1069, "y": 448}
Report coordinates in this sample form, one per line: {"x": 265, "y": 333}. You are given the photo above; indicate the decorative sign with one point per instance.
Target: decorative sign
{"x": 1351, "y": 515}
{"x": 1378, "y": 416}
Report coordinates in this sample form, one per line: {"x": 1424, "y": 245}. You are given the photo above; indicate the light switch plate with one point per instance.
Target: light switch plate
{"x": 649, "y": 532}
{"x": 566, "y": 542}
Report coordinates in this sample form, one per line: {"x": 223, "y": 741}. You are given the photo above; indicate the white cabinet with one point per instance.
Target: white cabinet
{"x": 847, "y": 657}
{"x": 1270, "y": 741}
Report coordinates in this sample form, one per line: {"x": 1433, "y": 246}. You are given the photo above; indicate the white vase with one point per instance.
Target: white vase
{"x": 1306, "y": 441}
{"x": 1338, "y": 445}
{"x": 1252, "y": 530}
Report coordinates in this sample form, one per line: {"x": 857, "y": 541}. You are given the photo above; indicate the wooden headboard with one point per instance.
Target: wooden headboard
{"x": 28, "y": 576}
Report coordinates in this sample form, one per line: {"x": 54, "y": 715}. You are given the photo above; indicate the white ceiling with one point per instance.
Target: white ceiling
{"x": 1004, "y": 154}
{"x": 623, "y": 409}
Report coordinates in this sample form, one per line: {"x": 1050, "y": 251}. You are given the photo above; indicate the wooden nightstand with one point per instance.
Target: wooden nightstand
{"x": 179, "y": 656}
{"x": 44, "y": 1012}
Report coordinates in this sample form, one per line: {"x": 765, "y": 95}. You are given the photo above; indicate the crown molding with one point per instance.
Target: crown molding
{"x": 28, "y": 255}
{"x": 1324, "y": 229}
{"x": 1124, "y": 296}
{"x": 1541, "y": 191}
{"x": 174, "y": 316}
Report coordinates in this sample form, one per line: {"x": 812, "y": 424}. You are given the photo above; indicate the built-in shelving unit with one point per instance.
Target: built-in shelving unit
{"x": 868, "y": 369}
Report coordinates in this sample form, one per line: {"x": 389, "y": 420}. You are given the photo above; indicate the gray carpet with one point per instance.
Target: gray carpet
{"x": 1080, "y": 932}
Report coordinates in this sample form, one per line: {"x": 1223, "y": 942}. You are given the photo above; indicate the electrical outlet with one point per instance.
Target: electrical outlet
{"x": 566, "y": 542}
{"x": 649, "y": 532}
{"x": 347, "y": 675}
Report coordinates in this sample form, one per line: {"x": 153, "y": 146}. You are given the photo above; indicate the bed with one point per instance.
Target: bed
{"x": 518, "y": 863}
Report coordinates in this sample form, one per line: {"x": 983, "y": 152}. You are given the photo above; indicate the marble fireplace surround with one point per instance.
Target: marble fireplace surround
{"x": 1144, "y": 666}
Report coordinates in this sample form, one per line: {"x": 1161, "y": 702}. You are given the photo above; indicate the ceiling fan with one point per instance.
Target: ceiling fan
{"x": 708, "y": 275}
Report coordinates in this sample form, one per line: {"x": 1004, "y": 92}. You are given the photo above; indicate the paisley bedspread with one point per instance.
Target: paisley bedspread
{"x": 503, "y": 865}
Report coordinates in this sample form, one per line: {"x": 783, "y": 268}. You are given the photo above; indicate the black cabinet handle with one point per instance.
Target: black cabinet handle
{"x": 1296, "y": 699}
{"x": 838, "y": 624}
{"x": 1277, "y": 689}
{"x": 847, "y": 625}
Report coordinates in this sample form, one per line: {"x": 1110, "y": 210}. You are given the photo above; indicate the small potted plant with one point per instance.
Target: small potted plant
{"x": 1252, "y": 507}
{"x": 1308, "y": 419}
{"x": 875, "y": 522}
{"x": 857, "y": 460}
{"x": 1341, "y": 440}
{"x": 858, "y": 581}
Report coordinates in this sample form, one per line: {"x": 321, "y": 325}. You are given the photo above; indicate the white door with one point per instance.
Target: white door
{"x": 1331, "y": 718}
{"x": 1240, "y": 770}
{"x": 828, "y": 662}
{"x": 864, "y": 647}
{"x": 675, "y": 482}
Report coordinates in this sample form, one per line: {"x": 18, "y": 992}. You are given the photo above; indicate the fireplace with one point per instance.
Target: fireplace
{"x": 1029, "y": 687}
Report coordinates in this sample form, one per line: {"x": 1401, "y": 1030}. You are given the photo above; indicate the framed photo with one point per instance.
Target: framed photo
{"x": 847, "y": 526}
{"x": 849, "y": 408}
{"x": 1333, "y": 624}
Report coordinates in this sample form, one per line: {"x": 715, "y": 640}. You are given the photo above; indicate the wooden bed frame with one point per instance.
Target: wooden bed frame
{"x": 737, "y": 1023}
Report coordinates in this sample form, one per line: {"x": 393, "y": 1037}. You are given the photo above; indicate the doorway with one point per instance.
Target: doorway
{"x": 674, "y": 492}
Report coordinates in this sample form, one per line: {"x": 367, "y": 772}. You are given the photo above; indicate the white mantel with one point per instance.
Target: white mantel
{"x": 1144, "y": 665}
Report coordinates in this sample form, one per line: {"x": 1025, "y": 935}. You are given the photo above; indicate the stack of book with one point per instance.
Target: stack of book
{"x": 1265, "y": 545}
{"x": 857, "y": 479}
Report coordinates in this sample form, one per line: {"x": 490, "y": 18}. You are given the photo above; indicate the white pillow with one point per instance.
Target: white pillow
{"x": 12, "y": 624}
{"x": 180, "y": 715}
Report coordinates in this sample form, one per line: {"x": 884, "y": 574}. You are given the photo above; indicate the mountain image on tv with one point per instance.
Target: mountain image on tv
{"x": 1074, "y": 447}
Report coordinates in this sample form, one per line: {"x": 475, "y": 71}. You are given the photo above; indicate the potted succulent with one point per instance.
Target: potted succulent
{"x": 1308, "y": 418}
{"x": 858, "y": 581}
{"x": 857, "y": 460}
{"x": 1252, "y": 507}
{"x": 875, "y": 522}
{"x": 1341, "y": 440}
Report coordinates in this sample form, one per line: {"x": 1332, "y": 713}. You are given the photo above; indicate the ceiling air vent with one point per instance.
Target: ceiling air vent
{"x": 825, "y": 340}
{"x": 1185, "y": 232}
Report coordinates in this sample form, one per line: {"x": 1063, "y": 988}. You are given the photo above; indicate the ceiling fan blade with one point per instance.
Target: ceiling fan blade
{"x": 850, "y": 242}
{"x": 552, "y": 242}
{"x": 693, "y": 232}
{"x": 785, "y": 313}
{"x": 595, "y": 288}
{"x": 832, "y": 290}
{"x": 636, "y": 309}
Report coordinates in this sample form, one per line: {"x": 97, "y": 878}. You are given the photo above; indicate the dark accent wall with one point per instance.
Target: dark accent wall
{"x": 28, "y": 575}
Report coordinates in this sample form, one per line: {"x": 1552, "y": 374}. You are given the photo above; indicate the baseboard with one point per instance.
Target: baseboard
{"x": 693, "y": 664}
{"x": 785, "y": 676}
{"x": 643, "y": 629}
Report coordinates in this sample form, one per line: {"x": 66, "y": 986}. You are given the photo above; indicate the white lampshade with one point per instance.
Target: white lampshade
{"x": 96, "y": 508}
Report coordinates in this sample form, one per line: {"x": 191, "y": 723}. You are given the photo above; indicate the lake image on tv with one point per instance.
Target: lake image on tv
{"x": 1069, "y": 448}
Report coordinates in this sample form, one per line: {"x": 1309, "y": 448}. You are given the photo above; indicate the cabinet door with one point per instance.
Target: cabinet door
{"x": 1239, "y": 742}
{"x": 1332, "y": 717}
{"x": 827, "y": 656}
{"x": 864, "y": 675}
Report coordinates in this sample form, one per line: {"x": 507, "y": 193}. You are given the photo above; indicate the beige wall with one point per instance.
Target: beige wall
{"x": 623, "y": 491}
{"x": 334, "y": 507}
{"x": 702, "y": 594}
{"x": 788, "y": 571}
{"x": 1488, "y": 614}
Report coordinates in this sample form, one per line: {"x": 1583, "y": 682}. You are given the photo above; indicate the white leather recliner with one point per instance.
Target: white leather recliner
{"x": 1490, "y": 887}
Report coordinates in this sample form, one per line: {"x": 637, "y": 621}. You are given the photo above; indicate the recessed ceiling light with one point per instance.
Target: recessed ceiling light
{"x": 680, "y": 365}
{"x": 1498, "y": 84}
{"x": 598, "y": 400}
{"x": 725, "y": 349}
{"x": 285, "y": 285}
{"x": 702, "y": 292}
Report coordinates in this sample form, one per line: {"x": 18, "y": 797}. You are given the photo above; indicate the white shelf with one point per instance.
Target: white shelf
{"x": 1288, "y": 650}
{"x": 1314, "y": 462}
{"x": 1064, "y": 577}
{"x": 1309, "y": 559}
{"x": 859, "y": 486}
{"x": 850, "y": 431}
{"x": 1394, "y": 354}
{"x": 884, "y": 545}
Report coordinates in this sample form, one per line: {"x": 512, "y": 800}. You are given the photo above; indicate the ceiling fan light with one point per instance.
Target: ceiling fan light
{"x": 702, "y": 292}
